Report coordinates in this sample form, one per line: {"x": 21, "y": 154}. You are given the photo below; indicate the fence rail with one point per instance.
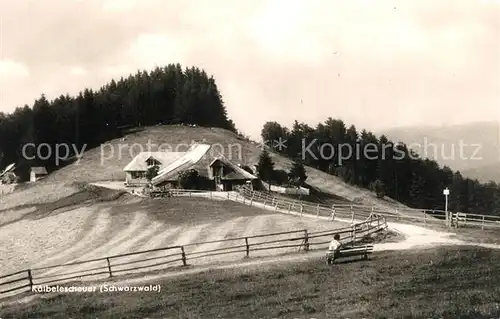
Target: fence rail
{"x": 347, "y": 211}
{"x": 342, "y": 210}
{"x": 163, "y": 258}
{"x": 374, "y": 219}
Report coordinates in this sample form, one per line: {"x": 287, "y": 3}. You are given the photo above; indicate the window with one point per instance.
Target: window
{"x": 152, "y": 162}
{"x": 137, "y": 174}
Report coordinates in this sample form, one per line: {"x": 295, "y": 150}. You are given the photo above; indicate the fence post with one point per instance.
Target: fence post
{"x": 352, "y": 215}
{"x": 317, "y": 211}
{"x": 306, "y": 240}
{"x": 30, "y": 278}
{"x": 109, "y": 267}
{"x": 183, "y": 256}
{"x": 289, "y": 207}
{"x": 301, "y": 209}
{"x": 333, "y": 213}
{"x": 482, "y": 225}
{"x": 276, "y": 206}
{"x": 251, "y": 200}
{"x": 248, "y": 247}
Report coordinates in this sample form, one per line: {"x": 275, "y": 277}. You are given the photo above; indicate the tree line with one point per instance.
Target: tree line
{"x": 390, "y": 168}
{"x": 166, "y": 95}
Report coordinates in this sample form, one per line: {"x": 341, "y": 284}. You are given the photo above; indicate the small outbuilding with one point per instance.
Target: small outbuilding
{"x": 37, "y": 173}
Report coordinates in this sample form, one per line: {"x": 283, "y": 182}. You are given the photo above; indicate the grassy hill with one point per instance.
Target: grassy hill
{"x": 93, "y": 223}
{"x": 107, "y": 162}
{"x": 61, "y": 218}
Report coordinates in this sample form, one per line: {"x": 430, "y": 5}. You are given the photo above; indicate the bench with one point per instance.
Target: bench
{"x": 351, "y": 251}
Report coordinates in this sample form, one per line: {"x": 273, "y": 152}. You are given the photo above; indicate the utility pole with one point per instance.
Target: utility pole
{"x": 446, "y": 192}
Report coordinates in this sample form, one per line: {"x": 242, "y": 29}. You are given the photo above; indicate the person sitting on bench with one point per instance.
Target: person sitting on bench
{"x": 335, "y": 245}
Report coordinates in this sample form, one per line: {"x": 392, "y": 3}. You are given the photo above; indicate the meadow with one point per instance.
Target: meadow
{"x": 446, "y": 282}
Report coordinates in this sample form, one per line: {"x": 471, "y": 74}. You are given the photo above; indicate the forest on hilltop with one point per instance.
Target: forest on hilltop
{"x": 392, "y": 169}
{"x": 172, "y": 95}
{"x": 168, "y": 95}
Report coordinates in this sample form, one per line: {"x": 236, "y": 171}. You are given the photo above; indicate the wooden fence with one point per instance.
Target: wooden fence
{"x": 353, "y": 212}
{"x": 474, "y": 220}
{"x": 190, "y": 254}
{"x": 337, "y": 211}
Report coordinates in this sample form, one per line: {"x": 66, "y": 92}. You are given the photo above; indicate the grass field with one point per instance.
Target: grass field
{"x": 314, "y": 197}
{"x": 62, "y": 219}
{"x": 93, "y": 222}
{"x": 449, "y": 282}
{"x": 37, "y": 194}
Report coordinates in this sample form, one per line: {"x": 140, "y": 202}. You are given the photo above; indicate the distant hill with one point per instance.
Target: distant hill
{"x": 490, "y": 172}
{"x": 481, "y": 146}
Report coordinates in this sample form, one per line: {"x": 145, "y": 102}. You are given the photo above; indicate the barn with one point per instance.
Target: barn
{"x": 223, "y": 173}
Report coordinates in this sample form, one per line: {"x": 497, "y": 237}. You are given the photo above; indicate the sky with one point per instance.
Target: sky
{"x": 375, "y": 64}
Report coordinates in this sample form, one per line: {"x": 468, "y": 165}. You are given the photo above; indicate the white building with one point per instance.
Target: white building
{"x": 37, "y": 173}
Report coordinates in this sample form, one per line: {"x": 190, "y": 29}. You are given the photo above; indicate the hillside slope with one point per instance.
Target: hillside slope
{"x": 107, "y": 162}
{"x": 96, "y": 223}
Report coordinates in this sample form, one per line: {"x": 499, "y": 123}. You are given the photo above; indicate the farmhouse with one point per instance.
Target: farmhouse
{"x": 135, "y": 171}
{"x": 224, "y": 173}
{"x": 37, "y": 173}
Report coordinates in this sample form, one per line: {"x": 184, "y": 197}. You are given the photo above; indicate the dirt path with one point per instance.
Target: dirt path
{"x": 415, "y": 236}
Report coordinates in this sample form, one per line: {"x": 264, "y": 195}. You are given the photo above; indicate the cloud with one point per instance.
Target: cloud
{"x": 77, "y": 70}
{"x": 119, "y": 5}
{"x": 150, "y": 50}
{"x": 13, "y": 69}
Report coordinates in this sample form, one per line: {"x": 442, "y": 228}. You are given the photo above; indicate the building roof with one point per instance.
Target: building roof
{"x": 237, "y": 173}
{"x": 197, "y": 158}
{"x": 186, "y": 161}
{"x": 39, "y": 170}
{"x": 139, "y": 163}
